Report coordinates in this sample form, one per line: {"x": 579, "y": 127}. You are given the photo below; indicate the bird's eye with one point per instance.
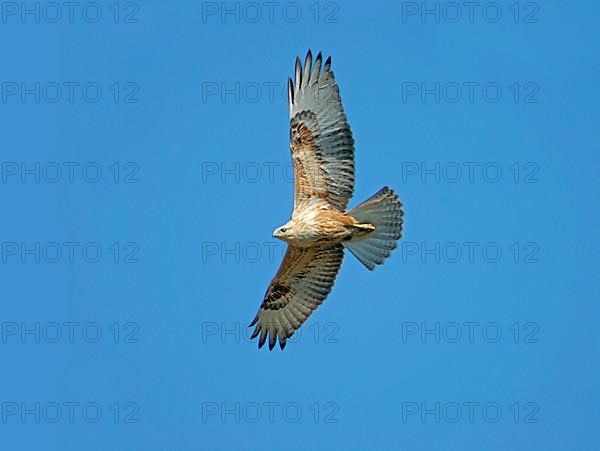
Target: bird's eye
{"x": 283, "y": 230}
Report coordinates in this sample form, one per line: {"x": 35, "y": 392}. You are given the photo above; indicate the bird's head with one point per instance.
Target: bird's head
{"x": 284, "y": 232}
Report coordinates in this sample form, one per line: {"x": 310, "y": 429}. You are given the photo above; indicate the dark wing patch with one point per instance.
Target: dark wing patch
{"x": 273, "y": 298}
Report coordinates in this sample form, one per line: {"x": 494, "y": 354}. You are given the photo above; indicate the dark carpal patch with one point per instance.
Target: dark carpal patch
{"x": 276, "y": 292}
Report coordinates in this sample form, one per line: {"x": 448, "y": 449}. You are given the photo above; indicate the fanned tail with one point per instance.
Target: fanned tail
{"x": 384, "y": 211}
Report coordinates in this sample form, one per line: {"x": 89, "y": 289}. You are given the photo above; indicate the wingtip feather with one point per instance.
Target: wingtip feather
{"x": 298, "y": 73}
{"x": 263, "y": 338}
{"x": 253, "y": 321}
{"x": 307, "y": 68}
{"x": 272, "y": 340}
{"x": 290, "y": 92}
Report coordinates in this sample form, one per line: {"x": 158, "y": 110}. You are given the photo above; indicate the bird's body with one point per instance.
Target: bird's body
{"x": 316, "y": 224}
{"x": 322, "y": 149}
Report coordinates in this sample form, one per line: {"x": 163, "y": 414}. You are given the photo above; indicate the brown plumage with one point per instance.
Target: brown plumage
{"x": 322, "y": 149}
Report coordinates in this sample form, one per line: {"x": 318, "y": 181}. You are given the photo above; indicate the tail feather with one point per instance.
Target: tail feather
{"x": 384, "y": 211}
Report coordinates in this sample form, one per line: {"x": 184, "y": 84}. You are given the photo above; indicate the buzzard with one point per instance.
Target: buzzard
{"x": 322, "y": 150}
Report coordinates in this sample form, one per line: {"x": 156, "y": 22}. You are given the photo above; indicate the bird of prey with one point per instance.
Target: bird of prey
{"x": 322, "y": 150}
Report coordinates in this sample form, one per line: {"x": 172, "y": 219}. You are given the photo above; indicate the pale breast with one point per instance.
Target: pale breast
{"x": 319, "y": 225}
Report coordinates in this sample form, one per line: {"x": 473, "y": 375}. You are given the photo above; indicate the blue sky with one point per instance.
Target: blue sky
{"x": 145, "y": 163}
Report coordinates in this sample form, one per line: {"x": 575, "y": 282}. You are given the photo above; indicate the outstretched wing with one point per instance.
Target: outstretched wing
{"x": 302, "y": 283}
{"x": 320, "y": 138}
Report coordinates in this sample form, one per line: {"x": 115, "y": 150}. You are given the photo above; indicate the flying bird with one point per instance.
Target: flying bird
{"x": 322, "y": 149}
